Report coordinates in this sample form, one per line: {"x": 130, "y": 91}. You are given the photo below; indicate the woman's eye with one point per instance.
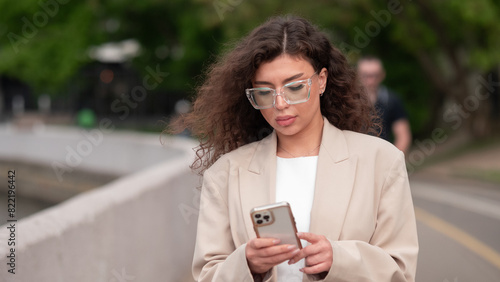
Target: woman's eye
{"x": 296, "y": 87}
{"x": 263, "y": 92}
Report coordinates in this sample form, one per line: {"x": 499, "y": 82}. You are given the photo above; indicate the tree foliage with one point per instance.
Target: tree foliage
{"x": 45, "y": 43}
{"x": 433, "y": 50}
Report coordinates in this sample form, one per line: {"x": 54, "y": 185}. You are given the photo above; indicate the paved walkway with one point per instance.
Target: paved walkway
{"x": 54, "y": 163}
{"x": 102, "y": 150}
{"x": 457, "y": 210}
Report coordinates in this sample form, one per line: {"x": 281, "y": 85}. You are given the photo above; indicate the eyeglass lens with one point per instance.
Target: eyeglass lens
{"x": 292, "y": 94}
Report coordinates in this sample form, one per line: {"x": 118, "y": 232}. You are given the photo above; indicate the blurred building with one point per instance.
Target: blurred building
{"x": 109, "y": 86}
{"x": 16, "y": 97}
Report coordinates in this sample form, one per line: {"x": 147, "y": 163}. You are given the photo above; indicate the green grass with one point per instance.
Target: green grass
{"x": 486, "y": 175}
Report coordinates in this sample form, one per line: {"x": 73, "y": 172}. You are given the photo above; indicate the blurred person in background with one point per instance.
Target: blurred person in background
{"x": 281, "y": 117}
{"x": 395, "y": 124}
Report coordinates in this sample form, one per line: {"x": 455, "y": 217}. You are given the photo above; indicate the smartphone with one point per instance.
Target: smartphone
{"x": 275, "y": 221}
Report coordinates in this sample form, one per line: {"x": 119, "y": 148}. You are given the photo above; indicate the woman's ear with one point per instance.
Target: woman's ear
{"x": 323, "y": 77}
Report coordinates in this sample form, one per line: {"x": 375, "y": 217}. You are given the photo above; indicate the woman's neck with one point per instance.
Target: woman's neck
{"x": 303, "y": 144}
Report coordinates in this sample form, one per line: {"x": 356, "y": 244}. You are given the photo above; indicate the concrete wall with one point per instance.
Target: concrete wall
{"x": 140, "y": 227}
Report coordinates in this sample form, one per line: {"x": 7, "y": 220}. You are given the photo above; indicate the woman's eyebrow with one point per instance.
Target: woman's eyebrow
{"x": 291, "y": 78}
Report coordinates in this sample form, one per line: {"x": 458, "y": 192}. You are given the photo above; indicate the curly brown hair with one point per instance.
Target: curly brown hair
{"x": 222, "y": 117}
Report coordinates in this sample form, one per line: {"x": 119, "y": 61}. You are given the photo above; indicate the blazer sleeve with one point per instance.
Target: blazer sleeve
{"x": 391, "y": 254}
{"x": 216, "y": 258}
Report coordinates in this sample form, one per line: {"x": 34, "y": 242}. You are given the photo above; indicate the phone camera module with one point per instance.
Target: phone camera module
{"x": 257, "y": 215}
{"x": 266, "y": 217}
{"x": 259, "y": 221}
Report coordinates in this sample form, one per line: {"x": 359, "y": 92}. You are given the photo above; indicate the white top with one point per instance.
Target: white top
{"x": 295, "y": 181}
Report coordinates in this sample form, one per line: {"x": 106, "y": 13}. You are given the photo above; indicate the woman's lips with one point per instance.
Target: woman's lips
{"x": 285, "y": 120}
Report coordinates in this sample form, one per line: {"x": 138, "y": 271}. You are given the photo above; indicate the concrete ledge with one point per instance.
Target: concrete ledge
{"x": 129, "y": 230}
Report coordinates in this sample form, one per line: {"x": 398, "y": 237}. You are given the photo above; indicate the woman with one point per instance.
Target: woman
{"x": 281, "y": 118}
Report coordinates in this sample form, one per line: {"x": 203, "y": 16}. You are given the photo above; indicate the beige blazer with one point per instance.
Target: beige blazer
{"x": 362, "y": 204}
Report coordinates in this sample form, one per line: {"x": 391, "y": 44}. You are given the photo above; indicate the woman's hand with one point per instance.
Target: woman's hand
{"x": 319, "y": 255}
{"x": 264, "y": 253}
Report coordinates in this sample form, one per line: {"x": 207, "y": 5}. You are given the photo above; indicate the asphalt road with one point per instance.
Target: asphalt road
{"x": 459, "y": 231}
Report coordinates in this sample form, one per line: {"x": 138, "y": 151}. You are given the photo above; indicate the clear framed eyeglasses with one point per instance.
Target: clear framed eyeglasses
{"x": 295, "y": 92}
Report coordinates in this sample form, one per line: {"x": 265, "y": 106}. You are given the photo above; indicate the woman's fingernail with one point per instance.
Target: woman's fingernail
{"x": 291, "y": 247}
{"x": 291, "y": 262}
{"x": 276, "y": 241}
{"x": 301, "y": 270}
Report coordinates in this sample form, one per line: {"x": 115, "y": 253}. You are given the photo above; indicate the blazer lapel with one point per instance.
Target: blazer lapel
{"x": 334, "y": 183}
{"x": 258, "y": 181}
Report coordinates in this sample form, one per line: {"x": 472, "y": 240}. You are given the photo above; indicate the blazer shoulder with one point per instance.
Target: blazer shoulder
{"x": 354, "y": 141}
{"x": 375, "y": 153}
{"x": 240, "y": 156}
{"x": 364, "y": 143}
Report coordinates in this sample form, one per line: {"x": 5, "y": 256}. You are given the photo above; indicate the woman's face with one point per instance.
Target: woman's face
{"x": 295, "y": 119}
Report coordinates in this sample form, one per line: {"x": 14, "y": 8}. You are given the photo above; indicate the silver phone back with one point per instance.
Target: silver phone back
{"x": 275, "y": 221}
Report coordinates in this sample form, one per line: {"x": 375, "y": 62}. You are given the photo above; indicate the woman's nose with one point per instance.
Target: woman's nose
{"x": 279, "y": 102}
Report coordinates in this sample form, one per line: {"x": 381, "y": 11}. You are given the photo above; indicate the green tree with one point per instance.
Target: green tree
{"x": 437, "y": 53}
{"x": 45, "y": 43}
